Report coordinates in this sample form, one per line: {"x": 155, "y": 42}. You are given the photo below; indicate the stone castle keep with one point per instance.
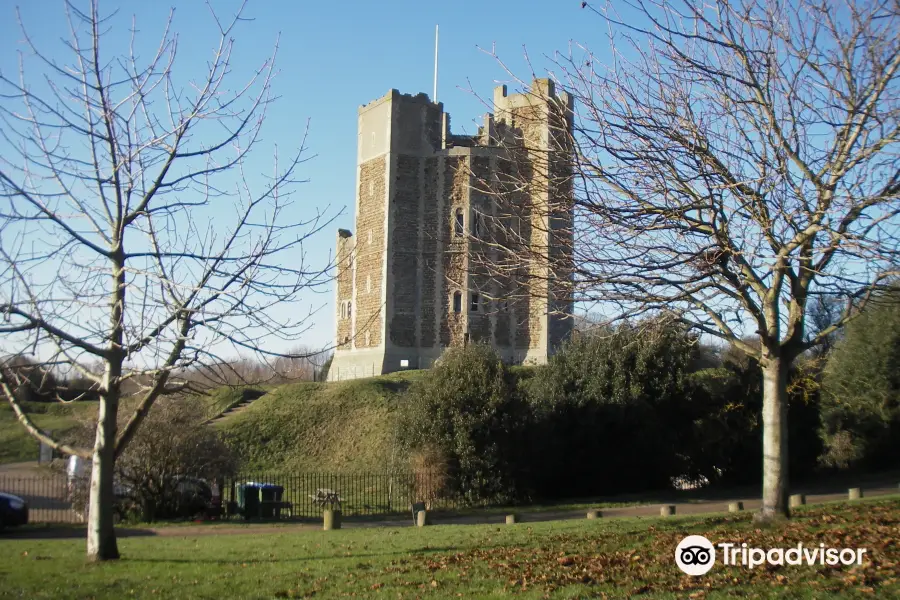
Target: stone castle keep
{"x": 408, "y": 285}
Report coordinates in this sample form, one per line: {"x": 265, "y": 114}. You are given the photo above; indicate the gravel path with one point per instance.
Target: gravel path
{"x": 696, "y": 507}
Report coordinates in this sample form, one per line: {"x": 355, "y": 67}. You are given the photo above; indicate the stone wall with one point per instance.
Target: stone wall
{"x": 480, "y": 280}
{"x": 368, "y": 313}
{"x": 531, "y": 119}
{"x": 455, "y": 196}
{"x": 405, "y": 250}
{"x": 431, "y": 291}
{"x": 344, "y": 287}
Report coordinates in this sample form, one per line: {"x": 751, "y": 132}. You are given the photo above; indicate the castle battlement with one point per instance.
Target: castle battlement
{"x": 395, "y": 96}
{"x": 407, "y": 287}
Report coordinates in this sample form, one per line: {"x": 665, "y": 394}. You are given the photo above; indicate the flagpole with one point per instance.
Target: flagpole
{"x": 434, "y": 96}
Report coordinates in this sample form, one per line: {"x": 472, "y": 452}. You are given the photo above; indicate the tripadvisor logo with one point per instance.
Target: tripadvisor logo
{"x": 696, "y": 555}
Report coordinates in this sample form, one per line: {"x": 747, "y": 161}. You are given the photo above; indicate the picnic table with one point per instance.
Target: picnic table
{"x": 325, "y": 497}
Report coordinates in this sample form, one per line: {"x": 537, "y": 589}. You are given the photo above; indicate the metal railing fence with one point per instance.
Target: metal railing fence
{"x": 47, "y": 496}
{"x": 361, "y": 494}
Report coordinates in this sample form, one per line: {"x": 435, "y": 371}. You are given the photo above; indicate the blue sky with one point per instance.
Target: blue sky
{"x": 333, "y": 57}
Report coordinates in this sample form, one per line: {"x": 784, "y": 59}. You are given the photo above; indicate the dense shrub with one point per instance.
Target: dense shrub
{"x": 465, "y": 418}
{"x": 168, "y": 468}
{"x": 726, "y": 415}
{"x": 726, "y": 442}
{"x": 616, "y": 410}
{"x": 861, "y": 390}
{"x": 608, "y": 411}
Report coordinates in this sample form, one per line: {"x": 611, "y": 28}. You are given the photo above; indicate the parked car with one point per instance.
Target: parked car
{"x": 13, "y": 511}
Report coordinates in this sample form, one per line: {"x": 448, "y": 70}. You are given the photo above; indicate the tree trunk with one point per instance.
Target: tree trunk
{"x": 101, "y": 536}
{"x": 775, "y": 441}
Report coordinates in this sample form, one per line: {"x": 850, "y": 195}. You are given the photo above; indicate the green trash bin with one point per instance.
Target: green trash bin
{"x": 270, "y": 494}
{"x": 248, "y": 500}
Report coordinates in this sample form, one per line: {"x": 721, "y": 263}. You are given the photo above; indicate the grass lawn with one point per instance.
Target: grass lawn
{"x": 566, "y": 559}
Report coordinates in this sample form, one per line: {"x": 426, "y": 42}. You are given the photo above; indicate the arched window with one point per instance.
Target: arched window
{"x": 343, "y": 310}
{"x": 459, "y": 224}
{"x": 457, "y": 302}
{"x": 349, "y": 310}
{"x": 477, "y": 224}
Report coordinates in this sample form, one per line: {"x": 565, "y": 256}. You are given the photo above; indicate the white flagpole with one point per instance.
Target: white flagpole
{"x": 434, "y": 97}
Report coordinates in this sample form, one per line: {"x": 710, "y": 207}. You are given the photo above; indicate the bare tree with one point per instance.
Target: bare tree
{"x": 170, "y": 449}
{"x": 133, "y": 235}
{"x": 734, "y": 161}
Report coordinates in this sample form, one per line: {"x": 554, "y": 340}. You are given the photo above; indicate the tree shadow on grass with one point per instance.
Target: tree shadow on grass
{"x": 238, "y": 562}
{"x": 64, "y": 533}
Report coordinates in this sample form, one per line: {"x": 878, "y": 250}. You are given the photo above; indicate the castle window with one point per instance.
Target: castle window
{"x": 343, "y": 310}
{"x": 504, "y": 305}
{"x": 475, "y": 301}
{"x": 457, "y": 302}
{"x": 349, "y": 310}
{"x": 459, "y": 224}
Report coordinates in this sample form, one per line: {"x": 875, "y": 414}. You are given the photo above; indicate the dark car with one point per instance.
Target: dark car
{"x": 13, "y": 511}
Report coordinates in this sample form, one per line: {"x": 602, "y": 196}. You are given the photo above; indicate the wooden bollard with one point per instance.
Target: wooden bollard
{"x": 331, "y": 519}
{"x": 667, "y": 511}
{"x": 594, "y": 514}
{"x": 422, "y": 518}
{"x": 855, "y": 493}
{"x": 512, "y": 519}
{"x": 797, "y": 500}
{"x": 735, "y": 506}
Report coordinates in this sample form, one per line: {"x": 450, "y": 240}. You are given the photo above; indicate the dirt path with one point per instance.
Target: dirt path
{"x": 23, "y": 469}
{"x": 697, "y": 507}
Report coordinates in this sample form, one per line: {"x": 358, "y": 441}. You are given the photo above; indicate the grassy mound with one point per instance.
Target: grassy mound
{"x": 16, "y": 445}
{"x": 223, "y": 399}
{"x": 343, "y": 426}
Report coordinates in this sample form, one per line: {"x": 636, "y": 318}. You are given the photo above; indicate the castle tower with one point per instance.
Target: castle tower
{"x": 537, "y": 127}
{"x": 406, "y": 286}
